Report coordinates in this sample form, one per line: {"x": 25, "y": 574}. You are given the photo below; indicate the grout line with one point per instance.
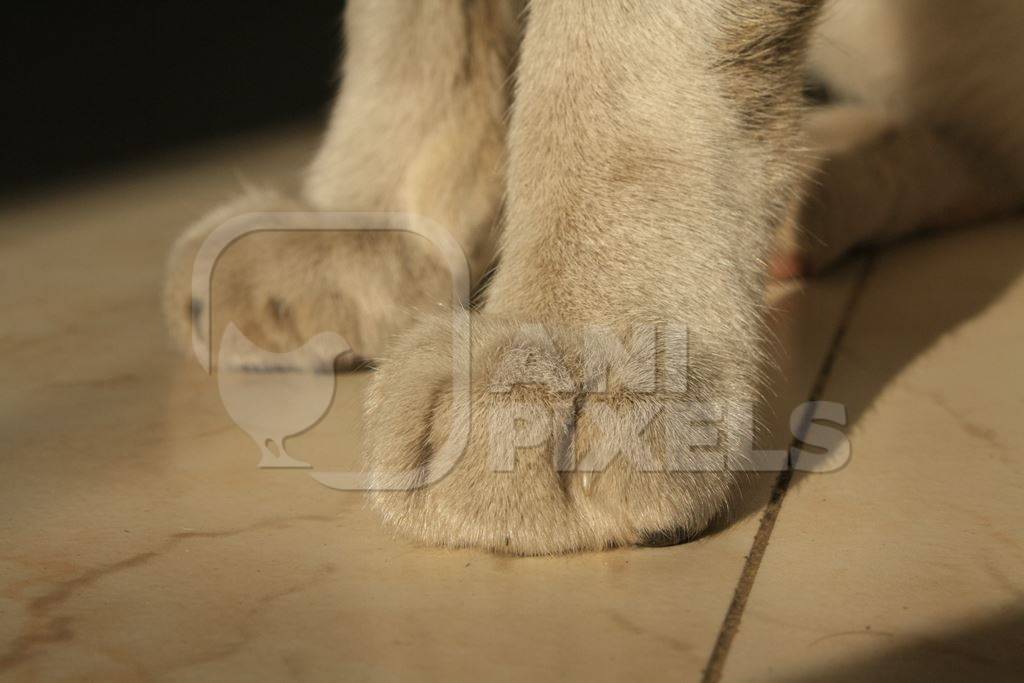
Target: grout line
{"x": 733, "y": 616}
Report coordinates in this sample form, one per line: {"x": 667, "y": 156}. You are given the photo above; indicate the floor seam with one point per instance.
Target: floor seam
{"x": 730, "y": 625}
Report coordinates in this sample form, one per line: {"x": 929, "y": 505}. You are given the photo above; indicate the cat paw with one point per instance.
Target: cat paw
{"x": 288, "y": 280}
{"x": 550, "y": 440}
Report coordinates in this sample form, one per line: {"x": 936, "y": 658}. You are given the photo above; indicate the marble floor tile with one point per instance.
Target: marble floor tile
{"x": 142, "y": 541}
{"x": 908, "y": 563}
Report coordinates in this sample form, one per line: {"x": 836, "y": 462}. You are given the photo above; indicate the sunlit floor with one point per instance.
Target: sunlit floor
{"x": 141, "y": 540}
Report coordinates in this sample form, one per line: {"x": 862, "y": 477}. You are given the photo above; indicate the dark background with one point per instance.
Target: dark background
{"x": 92, "y": 84}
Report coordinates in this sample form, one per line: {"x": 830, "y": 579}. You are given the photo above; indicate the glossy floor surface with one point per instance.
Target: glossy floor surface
{"x": 140, "y": 540}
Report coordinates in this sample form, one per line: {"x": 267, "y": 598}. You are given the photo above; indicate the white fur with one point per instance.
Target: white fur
{"x": 639, "y": 169}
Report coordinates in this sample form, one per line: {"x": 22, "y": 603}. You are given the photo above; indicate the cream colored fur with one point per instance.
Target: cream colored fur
{"x": 418, "y": 127}
{"x": 935, "y": 90}
{"x": 639, "y": 169}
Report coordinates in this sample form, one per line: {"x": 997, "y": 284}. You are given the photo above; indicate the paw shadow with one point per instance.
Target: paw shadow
{"x": 912, "y": 297}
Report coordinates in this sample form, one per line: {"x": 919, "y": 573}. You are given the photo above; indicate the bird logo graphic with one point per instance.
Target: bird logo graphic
{"x": 273, "y": 396}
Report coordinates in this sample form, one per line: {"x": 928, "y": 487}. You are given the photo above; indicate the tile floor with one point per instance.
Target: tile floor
{"x": 141, "y": 541}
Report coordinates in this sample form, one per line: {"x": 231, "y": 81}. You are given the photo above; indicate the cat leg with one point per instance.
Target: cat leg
{"x": 418, "y": 128}
{"x": 613, "y": 367}
{"x": 876, "y": 180}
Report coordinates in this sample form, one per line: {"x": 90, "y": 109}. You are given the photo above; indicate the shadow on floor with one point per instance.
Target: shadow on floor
{"x": 916, "y": 294}
{"x": 990, "y": 650}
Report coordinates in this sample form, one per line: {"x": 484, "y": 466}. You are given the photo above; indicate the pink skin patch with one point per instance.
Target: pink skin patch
{"x": 787, "y": 267}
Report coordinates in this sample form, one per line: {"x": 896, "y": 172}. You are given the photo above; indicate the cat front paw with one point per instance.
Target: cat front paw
{"x": 549, "y": 439}
{"x": 289, "y": 279}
